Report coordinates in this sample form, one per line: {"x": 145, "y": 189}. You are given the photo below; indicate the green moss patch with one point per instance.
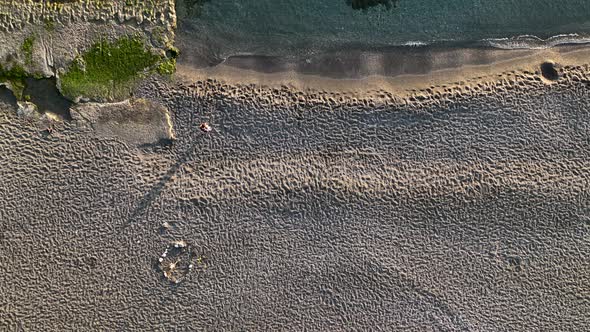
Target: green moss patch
{"x": 49, "y": 25}
{"x": 167, "y": 67}
{"x": 108, "y": 69}
{"x": 15, "y": 76}
{"x": 27, "y": 49}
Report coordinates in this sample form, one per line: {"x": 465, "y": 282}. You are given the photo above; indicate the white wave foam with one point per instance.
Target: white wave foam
{"x": 416, "y": 43}
{"x": 534, "y": 42}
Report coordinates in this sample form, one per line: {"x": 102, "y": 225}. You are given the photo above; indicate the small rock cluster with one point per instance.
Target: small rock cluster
{"x": 178, "y": 260}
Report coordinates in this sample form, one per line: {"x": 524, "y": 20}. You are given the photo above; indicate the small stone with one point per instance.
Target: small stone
{"x": 205, "y": 127}
{"x": 179, "y": 244}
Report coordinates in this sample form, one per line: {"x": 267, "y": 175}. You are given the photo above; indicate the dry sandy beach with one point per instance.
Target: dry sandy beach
{"x": 449, "y": 199}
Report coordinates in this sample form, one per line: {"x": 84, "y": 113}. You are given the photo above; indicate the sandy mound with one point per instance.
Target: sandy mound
{"x": 135, "y": 121}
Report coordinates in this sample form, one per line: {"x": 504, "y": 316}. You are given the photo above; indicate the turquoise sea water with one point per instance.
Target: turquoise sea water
{"x": 296, "y": 27}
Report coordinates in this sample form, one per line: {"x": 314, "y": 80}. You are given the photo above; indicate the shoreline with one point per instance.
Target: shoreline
{"x": 403, "y": 71}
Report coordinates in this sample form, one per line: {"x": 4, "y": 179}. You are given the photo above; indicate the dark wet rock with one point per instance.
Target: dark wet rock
{"x": 549, "y": 71}
{"x": 44, "y": 93}
{"x": 366, "y": 4}
{"x": 8, "y": 100}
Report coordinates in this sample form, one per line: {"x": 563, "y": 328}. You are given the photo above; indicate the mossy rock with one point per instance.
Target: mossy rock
{"x": 167, "y": 67}
{"x": 109, "y": 70}
{"x": 15, "y": 78}
{"x": 27, "y": 49}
